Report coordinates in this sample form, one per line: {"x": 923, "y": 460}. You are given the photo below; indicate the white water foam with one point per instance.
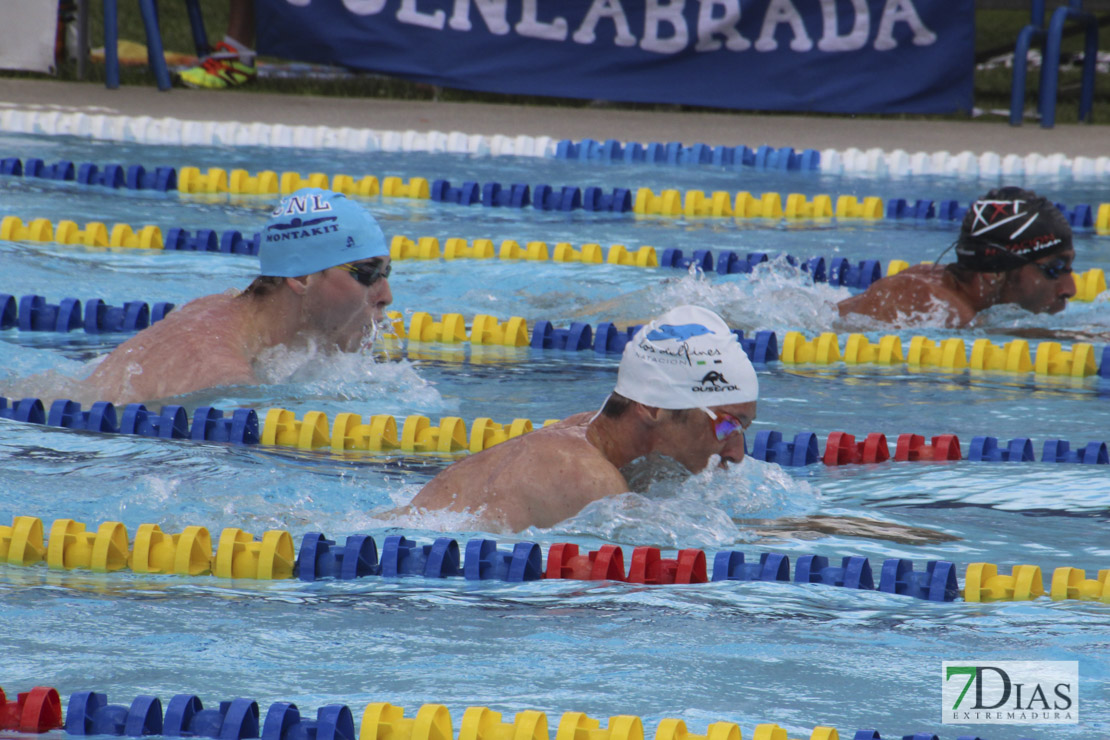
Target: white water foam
{"x": 697, "y": 511}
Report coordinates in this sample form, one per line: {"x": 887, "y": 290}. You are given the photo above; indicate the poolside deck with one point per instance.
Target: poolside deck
{"x": 599, "y": 123}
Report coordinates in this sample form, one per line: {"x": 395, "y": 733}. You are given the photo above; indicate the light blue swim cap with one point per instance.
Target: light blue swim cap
{"x": 314, "y": 229}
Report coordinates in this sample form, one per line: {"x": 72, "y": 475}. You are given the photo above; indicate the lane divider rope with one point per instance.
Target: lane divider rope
{"x": 836, "y": 271}
{"x": 89, "y": 713}
{"x": 417, "y": 434}
{"x": 642, "y": 201}
{"x": 1051, "y": 358}
{"x": 893, "y": 163}
{"x": 106, "y": 549}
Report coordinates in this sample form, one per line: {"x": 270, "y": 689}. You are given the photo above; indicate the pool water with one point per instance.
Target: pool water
{"x": 749, "y": 652}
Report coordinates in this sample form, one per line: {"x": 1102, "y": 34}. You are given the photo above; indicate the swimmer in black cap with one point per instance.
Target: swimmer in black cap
{"x": 1014, "y": 247}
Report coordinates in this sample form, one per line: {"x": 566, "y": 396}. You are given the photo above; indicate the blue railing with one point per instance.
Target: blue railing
{"x": 1049, "y": 38}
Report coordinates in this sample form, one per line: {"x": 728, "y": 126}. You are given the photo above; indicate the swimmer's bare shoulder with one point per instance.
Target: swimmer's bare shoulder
{"x": 200, "y": 345}
{"x": 540, "y": 478}
{"x": 918, "y": 289}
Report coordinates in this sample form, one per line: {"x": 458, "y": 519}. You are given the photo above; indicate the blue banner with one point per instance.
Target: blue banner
{"x": 834, "y": 56}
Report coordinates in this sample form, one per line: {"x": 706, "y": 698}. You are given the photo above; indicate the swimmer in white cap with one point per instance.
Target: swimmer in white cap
{"x": 324, "y": 267}
{"x": 685, "y": 389}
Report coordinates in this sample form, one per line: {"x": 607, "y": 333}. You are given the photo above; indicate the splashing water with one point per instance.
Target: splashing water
{"x": 697, "y": 511}
{"x": 1078, "y": 318}
{"x": 776, "y": 294}
{"x": 312, "y": 373}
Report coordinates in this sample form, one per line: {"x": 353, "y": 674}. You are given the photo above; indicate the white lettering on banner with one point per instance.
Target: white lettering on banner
{"x": 605, "y": 9}
{"x": 904, "y": 11}
{"x": 492, "y": 12}
{"x": 709, "y": 27}
{"x": 779, "y": 12}
{"x": 408, "y": 13}
{"x": 532, "y": 27}
{"x": 717, "y": 22}
{"x": 658, "y": 12}
{"x": 856, "y": 38}
{"x": 359, "y": 7}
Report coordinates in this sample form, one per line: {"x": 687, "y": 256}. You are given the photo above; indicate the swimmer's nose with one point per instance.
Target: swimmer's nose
{"x": 387, "y": 295}
{"x": 1065, "y": 286}
{"x": 734, "y": 448}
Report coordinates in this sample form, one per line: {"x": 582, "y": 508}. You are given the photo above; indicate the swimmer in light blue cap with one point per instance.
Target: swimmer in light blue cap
{"x": 324, "y": 269}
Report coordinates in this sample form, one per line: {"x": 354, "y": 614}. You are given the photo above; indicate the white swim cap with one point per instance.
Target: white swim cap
{"x": 686, "y": 359}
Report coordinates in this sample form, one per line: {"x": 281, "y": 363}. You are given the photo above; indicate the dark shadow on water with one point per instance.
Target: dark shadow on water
{"x": 814, "y": 527}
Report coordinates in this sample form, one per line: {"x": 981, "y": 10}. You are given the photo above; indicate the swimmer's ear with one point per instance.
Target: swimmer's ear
{"x": 649, "y": 414}
{"x": 297, "y": 284}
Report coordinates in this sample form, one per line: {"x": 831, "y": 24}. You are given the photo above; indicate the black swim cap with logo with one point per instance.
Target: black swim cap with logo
{"x": 1008, "y": 228}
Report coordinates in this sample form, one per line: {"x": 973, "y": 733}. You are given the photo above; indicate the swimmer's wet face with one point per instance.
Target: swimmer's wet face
{"x": 1043, "y": 285}
{"x": 690, "y": 440}
{"x": 341, "y": 310}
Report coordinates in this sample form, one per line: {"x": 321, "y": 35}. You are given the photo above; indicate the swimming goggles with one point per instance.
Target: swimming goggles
{"x": 724, "y": 424}
{"x": 1055, "y": 269}
{"x": 368, "y": 273}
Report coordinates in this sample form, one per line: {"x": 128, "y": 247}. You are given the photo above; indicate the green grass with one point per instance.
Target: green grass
{"x": 995, "y": 30}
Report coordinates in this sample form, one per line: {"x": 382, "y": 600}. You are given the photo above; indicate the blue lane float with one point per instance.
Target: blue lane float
{"x": 853, "y": 572}
{"x": 578, "y": 337}
{"x": 284, "y": 722}
{"x": 208, "y": 240}
{"x": 517, "y": 195}
{"x": 233, "y": 720}
{"x": 542, "y": 197}
{"x": 210, "y": 425}
{"x": 89, "y": 713}
{"x": 987, "y": 449}
{"x": 320, "y": 558}
{"x": 485, "y": 562}
{"x": 33, "y": 313}
{"x": 677, "y": 154}
{"x": 936, "y": 583}
{"x": 133, "y": 177}
{"x": 770, "y": 447}
{"x": 403, "y": 557}
{"x": 68, "y": 415}
{"x": 1059, "y": 451}
{"x": 171, "y": 422}
{"x": 731, "y": 566}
